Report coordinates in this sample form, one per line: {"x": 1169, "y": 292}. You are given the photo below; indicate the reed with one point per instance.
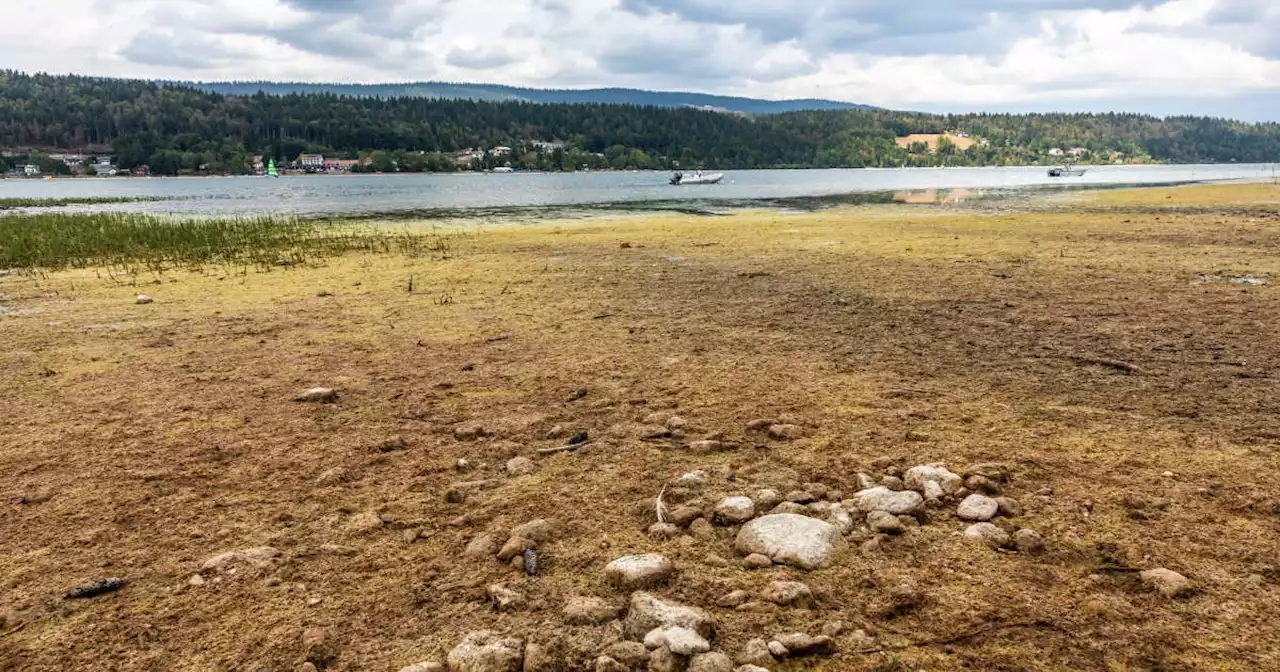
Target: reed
{"x": 42, "y": 242}
{"x": 14, "y": 203}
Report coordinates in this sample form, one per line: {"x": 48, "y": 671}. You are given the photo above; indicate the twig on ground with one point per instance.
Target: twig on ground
{"x": 563, "y": 449}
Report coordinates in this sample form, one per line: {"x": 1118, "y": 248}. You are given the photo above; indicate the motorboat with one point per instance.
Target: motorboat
{"x": 696, "y": 177}
{"x": 1067, "y": 171}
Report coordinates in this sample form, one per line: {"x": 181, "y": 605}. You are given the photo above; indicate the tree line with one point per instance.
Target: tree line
{"x": 175, "y": 128}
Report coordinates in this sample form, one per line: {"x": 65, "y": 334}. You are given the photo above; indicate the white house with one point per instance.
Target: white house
{"x": 501, "y": 150}
{"x": 1078, "y": 151}
{"x": 31, "y": 169}
{"x": 312, "y": 161}
{"x": 104, "y": 168}
{"x": 1056, "y": 151}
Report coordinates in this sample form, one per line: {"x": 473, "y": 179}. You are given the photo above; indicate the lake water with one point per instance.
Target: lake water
{"x": 475, "y": 194}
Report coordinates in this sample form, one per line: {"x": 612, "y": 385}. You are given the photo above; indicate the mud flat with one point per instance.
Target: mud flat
{"x": 867, "y": 438}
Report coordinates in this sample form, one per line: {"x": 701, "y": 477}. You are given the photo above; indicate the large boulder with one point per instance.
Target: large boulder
{"x": 648, "y": 612}
{"x": 790, "y": 539}
{"x": 486, "y": 651}
{"x": 899, "y": 503}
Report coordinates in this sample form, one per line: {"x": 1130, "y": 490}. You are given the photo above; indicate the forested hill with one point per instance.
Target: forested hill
{"x": 178, "y": 128}
{"x": 498, "y": 94}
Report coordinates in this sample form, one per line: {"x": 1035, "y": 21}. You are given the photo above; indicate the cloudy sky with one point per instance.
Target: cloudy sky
{"x": 1218, "y": 57}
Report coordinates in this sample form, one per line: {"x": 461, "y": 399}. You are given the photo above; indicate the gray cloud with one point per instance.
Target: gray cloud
{"x": 165, "y": 48}
{"x": 484, "y": 58}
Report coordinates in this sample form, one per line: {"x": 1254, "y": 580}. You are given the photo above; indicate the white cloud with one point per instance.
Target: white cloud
{"x": 922, "y": 54}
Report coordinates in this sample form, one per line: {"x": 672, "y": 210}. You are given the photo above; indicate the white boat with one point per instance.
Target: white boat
{"x": 1067, "y": 171}
{"x": 696, "y": 177}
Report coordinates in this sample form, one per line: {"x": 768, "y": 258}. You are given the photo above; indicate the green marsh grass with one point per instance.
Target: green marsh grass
{"x": 43, "y": 242}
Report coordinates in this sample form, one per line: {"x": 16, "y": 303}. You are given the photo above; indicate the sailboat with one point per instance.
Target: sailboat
{"x": 271, "y": 168}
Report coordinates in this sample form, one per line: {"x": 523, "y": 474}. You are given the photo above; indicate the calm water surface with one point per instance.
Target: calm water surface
{"x": 460, "y": 194}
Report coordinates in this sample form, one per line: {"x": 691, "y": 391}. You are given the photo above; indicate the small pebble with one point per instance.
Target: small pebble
{"x": 757, "y": 561}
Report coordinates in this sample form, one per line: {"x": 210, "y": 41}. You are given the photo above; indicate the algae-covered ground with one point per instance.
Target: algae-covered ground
{"x": 1118, "y": 351}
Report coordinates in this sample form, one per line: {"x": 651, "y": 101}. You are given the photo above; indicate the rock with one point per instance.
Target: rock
{"x": 862, "y": 641}
{"x": 807, "y": 543}
{"x": 778, "y": 649}
{"x": 648, "y": 612}
{"x": 539, "y": 531}
{"x": 639, "y": 571}
{"x": 710, "y": 446}
{"x": 977, "y": 507}
{"x": 841, "y": 519}
{"x": 317, "y": 395}
{"x": 333, "y": 476}
{"x": 792, "y": 508}
{"x": 909, "y": 521}
{"x": 933, "y": 492}
{"x": 701, "y": 528}
{"x": 865, "y": 481}
{"x": 681, "y": 641}
{"x": 1045, "y": 492}
{"x": 988, "y": 534}
{"x": 884, "y": 522}
{"x": 607, "y": 664}
{"x": 833, "y": 629}
{"x": 1028, "y": 541}
{"x": 631, "y": 654}
{"x": 756, "y": 652}
{"x": 1008, "y": 507}
{"x": 663, "y": 660}
{"x": 733, "y": 599}
{"x": 735, "y": 510}
{"x": 710, "y": 662}
{"x": 788, "y": 594}
{"x": 783, "y": 432}
{"x": 486, "y": 651}
{"x": 521, "y": 466}
{"x": 515, "y": 546}
{"x": 982, "y": 484}
{"x": 538, "y": 659}
{"x": 893, "y": 483}
{"x": 1168, "y": 582}
{"x": 768, "y": 498}
{"x": 682, "y": 515}
{"x": 799, "y": 644}
{"x": 364, "y": 522}
{"x": 143, "y": 300}
{"x": 469, "y": 431}
{"x": 483, "y": 546}
{"x": 800, "y": 497}
{"x": 589, "y": 611}
{"x": 430, "y": 666}
{"x": 260, "y": 557}
{"x": 994, "y": 471}
{"x": 459, "y": 492}
{"x": 750, "y": 668}
{"x": 917, "y": 478}
{"x": 664, "y": 530}
{"x": 757, "y": 561}
{"x": 694, "y": 479}
{"x": 900, "y": 599}
{"x": 676, "y": 422}
{"x": 906, "y": 502}
{"x": 504, "y": 598}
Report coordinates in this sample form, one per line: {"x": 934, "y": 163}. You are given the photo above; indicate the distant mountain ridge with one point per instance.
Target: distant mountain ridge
{"x": 500, "y": 93}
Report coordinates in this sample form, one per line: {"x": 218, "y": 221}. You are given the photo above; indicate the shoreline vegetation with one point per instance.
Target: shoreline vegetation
{"x": 62, "y": 201}
{"x": 1036, "y": 437}
{"x": 141, "y": 126}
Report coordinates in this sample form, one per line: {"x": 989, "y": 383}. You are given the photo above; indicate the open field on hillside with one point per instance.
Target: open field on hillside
{"x": 1116, "y": 353}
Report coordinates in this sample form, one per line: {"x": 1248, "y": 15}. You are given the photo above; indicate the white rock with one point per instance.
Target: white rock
{"x": 639, "y": 571}
{"x": 681, "y": 641}
{"x": 750, "y": 668}
{"x": 917, "y": 477}
{"x": 768, "y": 498}
{"x": 521, "y": 466}
{"x": 778, "y": 649}
{"x": 143, "y": 300}
{"x": 792, "y": 539}
{"x": 865, "y": 482}
{"x": 485, "y": 651}
{"x": 589, "y": 611}
{"x": 841, "y": 519}
{"x": 977, "y": 507}
{"x": 648, "y": 612}
{"x": 932, "y": 491}
{"x": 695, "y": 479}
{"x": 988, "y": 534}
{"x": 734, "y": 510}
{"x": 788, "y": 593}
{"x": 1028, "y": 541}
{"x": 426, "y": 666}
{"x": 905, "y": 502}
{"x": 756, "y": 652}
